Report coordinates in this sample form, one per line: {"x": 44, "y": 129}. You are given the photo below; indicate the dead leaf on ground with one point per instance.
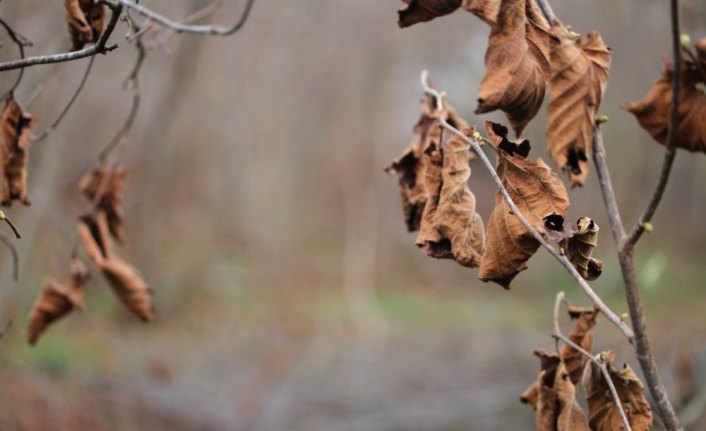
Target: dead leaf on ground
{"x": 124, "y": 279}
{"x": 425, "y": 10}
{"x": 108, "y": 182}
{"x": 579, "y": 74}
{"x": 514, "y": 79}
{"x": 85, "y": 19}
{"x": 654, "y": 111}
{"x": 17, "y": 126}
{"x": 557, "y": 409}
{"x": 603, "y": 414}
{"x": 536, "y": 190}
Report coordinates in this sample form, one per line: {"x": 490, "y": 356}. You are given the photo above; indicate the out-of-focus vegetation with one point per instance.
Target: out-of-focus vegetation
{"x": 289, "y": 295}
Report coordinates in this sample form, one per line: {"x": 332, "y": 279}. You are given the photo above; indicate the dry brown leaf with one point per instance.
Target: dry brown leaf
{"x": 514, "y": 78}
{"x": 425, "y": 10}
{"x": 557, "y": 409}
{"x": 537, "y": 192}
{"x": 85, "y": 19}
{"x": 108, "y": 182}
{"x": 574, "y": 361}
{"x": 579, "y": 74}
{"x": 486, "y": 10}
{"x": 654, "y": 111}
{"x": 76, "y": 289}
{"x": 580, "y": 249}
{"x": 124, "y": 279}
{"x": 17, "y": 126}
{"x": 603, "y": 414}
{"x": 52, "y": 304}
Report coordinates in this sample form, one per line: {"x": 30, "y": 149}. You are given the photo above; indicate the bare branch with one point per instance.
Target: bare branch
{"x": 21, "y": 42}
{"x": 547, "y": 11}
{"x": 597, "y": 360}
{"x": 179, "y": 27}
{"x": 617, "y": 321}
{"x": 15, "y": 257}
{"x": 600, "y": 160}
{"x": 671, "y": 143}
{"x": 99, "y": 48}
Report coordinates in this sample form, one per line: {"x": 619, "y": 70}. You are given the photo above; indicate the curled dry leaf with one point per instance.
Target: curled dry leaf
{"x": 107, "y": 183}
{"x": 603, "y": 414}
{"x": 557, "y": 409}
{"x": 579, "y": 74}
{"x": 580, "y": 249}
{"x": 514, "y": 73}
{"x": 574, "y": 361}
{"x": 486, "y": 10}
{"x": 654, "y": 111}
{"x": 418, "y": 11}
{"x": 17, "y": 126}
{"x": 76, "y": 288}
{"x": 537, "y": 192}
{"x": 85, "y": 19}
{"x": 124, "y": 279}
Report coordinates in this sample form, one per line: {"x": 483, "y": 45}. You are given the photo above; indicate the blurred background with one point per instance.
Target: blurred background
{"x": 289, "y": 294}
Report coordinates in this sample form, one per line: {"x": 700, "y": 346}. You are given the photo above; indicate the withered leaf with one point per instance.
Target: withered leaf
{"x": 76, "y": 288}
{"x": 85, "y": 20}
{"x": 603, "y": 414}
{"x": 107, "y": 184}
{"x": 574, "y": 361}
{"x": 537, "y": 192}
{"x": 486, "y": 10}
{"x": 425, "y": 10}
{"x": 557, "y": 409}
{"x": 124, "y": 279}
{"x": 654, "y": 111}
{"x": 17, "y": 126}
{"x": 514, "y": 78}
{"x": 580, "y": 249}
{"x": 579, "y": 74}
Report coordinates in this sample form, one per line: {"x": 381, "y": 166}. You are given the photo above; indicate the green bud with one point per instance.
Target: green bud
{"x": 602, "y": 119}
{"x": 624, "y": 317}
{"x": 2, "y": 215}
{"x": 648, "y": 226}
{"x": 685, "y": 40}
{"x": 569, "y": 27}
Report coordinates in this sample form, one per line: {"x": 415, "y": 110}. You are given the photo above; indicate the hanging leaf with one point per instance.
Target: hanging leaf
{"x": 107, "y": 182}
{"x": 486, "y": 10}
{"x": 579, "y": 74}
{"x": 17, "y": 126}
{"x": 580, "y": 249}
{"x": 514, "y": 79}
{"x": 654, "y": 111}
{"x": 425, "y": 10}
{"x": 603, "y": 414}
{"x": 85, "y": 20}
{"x": 557, "y": 409}
{"x": 574, "y": 361}
{"x": 537, "y": 192}
{"x": 124, "y": 279}
{"x": 76, "y": 289}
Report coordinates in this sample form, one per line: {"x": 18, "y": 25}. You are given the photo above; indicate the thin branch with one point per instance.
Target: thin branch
{"x": 63, "y": 113}
{"x": 15, "y": 257}
{"x": 9, "y": 222}
{"x": 162, "y": 37}
{"x": 617, "y": 321}
{"x": 601, "y": 162}
{"x": 99, "y": 48}
{"x": 21, "y": 42}
{"x": 179, "y": 27}
{"x": 671, "y": 143}
{"x": 597, "y": 360}
{"x": 547, "y": 11}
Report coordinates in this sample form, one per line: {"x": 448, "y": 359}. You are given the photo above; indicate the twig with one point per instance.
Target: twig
{"x": 178, "y": 27}
{"x": 7, "y": 220}
{"x": 99, "y": 48}
{"x": 671, "y": 149}
{"x": 617, "y": 321}
{"x": 547, "y": 11}
{"x": 162, "y": 37}
{"x": 597, "y": 360}
{"x": 601, "y": 162}
{"x": 63, "y": 113}
{"x": 15, "y": 257}
{"x": 21, "y": 42}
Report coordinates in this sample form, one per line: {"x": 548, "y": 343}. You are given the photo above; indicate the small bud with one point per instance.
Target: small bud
{"x": 648, "y": 226}
{"x": 685, "y": 40}
{"x": 624, "y": 317}
{"x": 2, "y": 215}
{"x": 443, "y": 94}
{"x": 476, "y": 135}
{"x": 602, "y": 119}
{"x": 569, "y": 27}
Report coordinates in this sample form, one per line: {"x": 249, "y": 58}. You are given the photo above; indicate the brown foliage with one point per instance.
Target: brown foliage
{"x": 17, "y": 126}
{"x": 487, "y": 10}
{"x": 603, "y": 414}
{"x": 425, "y": 10}
{"x": 579, "y": 74}
{"x": 557, "y": 409}
{"x": 106, "y": 183}
{"x": 85, "y": 20}
{"x": 654, "y": 111}
{"x": 514, "y": 79}
{"x": 536, "y": 190}
{"x": 124, "y": 279}
{"x": 580, "y": 249}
